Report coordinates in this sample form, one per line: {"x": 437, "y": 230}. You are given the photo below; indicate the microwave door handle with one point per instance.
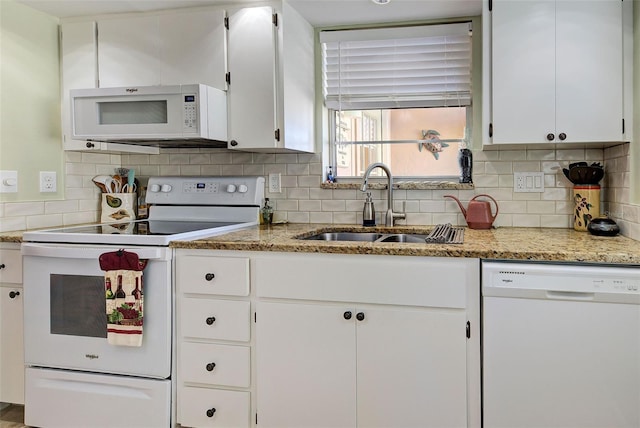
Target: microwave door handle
{"x": 80, "y": 252}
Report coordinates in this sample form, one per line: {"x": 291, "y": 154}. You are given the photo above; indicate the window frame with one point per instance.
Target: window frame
{"x": 472, "y": 117}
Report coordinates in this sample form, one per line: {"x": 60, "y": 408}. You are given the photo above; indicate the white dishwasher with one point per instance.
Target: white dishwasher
{"x": 560, "y": 345}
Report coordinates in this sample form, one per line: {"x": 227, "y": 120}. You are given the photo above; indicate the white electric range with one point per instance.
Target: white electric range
{"x": 67, "y": 355}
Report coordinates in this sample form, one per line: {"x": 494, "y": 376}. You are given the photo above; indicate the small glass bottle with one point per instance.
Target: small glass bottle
{"x": 143, "y": 211}
{"x": 266, "y": 212}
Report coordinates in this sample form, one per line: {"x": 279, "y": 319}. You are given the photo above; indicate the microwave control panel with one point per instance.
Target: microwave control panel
{"x": 190, "y": 113}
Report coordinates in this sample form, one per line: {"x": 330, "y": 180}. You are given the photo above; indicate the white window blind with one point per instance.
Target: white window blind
{"x": 404, "y": 67}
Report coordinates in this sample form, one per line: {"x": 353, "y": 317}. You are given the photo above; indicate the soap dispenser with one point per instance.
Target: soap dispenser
{"x": 369, "y": 212}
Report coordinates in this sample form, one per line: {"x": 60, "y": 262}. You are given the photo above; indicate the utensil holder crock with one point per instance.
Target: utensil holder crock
{"x": 587, "y": 205}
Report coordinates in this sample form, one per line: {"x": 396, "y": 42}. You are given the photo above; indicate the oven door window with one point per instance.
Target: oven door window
{"x": 78, "y": 305}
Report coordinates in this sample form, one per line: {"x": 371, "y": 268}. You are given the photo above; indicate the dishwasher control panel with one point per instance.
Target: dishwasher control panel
{"x": 561, "y": 277}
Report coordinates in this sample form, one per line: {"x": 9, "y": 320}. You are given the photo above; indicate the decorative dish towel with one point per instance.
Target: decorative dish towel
{"x": 123, "y": 296}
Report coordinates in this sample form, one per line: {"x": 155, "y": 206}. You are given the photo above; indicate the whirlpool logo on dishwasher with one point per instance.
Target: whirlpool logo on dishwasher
{"x": 92, "y": 356}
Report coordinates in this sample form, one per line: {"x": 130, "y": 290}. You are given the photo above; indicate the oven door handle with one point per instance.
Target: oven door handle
{"x": 82, "y": 252}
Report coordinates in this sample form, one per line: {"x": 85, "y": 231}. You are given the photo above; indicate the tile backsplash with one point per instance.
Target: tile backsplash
{"x": 302, "y": 200}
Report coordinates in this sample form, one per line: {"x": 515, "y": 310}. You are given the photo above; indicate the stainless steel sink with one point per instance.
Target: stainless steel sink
{"x": 345, "y": 236}
{"x": 404, "y": 237}
{"x": 443, "y": 234}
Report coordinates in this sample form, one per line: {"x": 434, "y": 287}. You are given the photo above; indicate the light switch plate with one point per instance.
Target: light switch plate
{"x": 528, "y": 182}
{"x": 8, "y": 181}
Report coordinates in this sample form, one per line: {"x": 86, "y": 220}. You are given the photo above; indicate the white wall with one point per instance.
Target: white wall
{"x": 30, "y": 138}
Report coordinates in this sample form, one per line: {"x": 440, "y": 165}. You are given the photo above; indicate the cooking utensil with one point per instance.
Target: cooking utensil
{"x": 100, "y": 181}
{"x": 113, "y": 184}
{"x": 130, "y": 182}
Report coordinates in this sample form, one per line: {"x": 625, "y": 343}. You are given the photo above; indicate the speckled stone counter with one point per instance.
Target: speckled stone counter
{"x": 11, "y": 237}
{"x": 501, "y": 243}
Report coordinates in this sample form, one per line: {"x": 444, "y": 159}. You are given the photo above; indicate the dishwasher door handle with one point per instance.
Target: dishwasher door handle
{"x": 569, "y": 295}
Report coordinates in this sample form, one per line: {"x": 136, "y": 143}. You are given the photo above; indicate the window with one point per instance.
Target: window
{"x": 399, "y": 95}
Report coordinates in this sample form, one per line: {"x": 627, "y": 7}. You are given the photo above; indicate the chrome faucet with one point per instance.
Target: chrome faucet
{"x": 390, "y": 216}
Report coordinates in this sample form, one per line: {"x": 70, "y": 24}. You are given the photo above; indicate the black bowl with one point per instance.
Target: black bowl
{"x": 603, "y": 226}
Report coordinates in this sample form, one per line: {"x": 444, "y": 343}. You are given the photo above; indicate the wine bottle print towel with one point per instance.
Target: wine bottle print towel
{"x": 124, "y": 297}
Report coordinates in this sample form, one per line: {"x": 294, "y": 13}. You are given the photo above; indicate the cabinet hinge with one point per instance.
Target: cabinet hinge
{"x": 490, "y": 130}
{"x": 277, "y": 134}
{"x": 490, "y": 5}
{"x": 468, "y": 329}
{"x": 623, "y": 126}
{"x": 227, "y": 78}
{"x": 274, "y": 19}
{"x": 226, "y": 22}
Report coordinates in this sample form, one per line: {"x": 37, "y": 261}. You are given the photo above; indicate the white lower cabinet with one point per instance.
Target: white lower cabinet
{"x": 11, "y": 325}
{"x": 347, "y": 366}
{"x": 214, "y": 332}
{"x": 330, "y": 340}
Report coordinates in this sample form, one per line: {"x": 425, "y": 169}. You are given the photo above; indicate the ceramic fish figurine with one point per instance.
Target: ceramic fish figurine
{"x": 434, "y": 145}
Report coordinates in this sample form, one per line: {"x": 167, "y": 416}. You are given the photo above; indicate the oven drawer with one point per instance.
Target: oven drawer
{"x": 215, "y": 364}
{"x": 202, "y": 407}
{"x": 227, "y": 276}
{"x": 215, "y": 319}
{"x": 11, "y": 262}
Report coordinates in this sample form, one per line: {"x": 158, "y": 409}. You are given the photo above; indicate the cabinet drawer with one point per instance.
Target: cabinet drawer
{"x": 215, "y": 364}
{"x": 215, "y": 319}
{"x": 11, "y": 273}
{"x": 227, "y": 276}
{"x": 230, "y": 408}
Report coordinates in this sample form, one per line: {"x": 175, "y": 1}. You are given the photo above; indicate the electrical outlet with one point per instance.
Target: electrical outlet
{"x": 275, "y": 184}
{"x": 532, "y": 182}
{"x": 48, "y": 182}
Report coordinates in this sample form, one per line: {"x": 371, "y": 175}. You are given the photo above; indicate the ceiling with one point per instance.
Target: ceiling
{"x": 320, "y": 13}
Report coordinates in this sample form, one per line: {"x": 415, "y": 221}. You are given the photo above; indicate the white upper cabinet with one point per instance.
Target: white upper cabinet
{"x": 194, "y": 48}
{"x": 271, "y": 90}
{"x": 554, "y": 72}
{"x": 79, "y": 70}
{"x": 168, "y": 49}
{"x": 129, "y": 51}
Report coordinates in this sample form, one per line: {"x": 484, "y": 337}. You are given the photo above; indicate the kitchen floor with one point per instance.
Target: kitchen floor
{"x": 12, "y": 416}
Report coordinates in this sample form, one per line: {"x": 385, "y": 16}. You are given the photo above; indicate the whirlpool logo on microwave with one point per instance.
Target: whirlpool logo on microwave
{"x": 91, "y": 356}
{"x": 131, "y": 90}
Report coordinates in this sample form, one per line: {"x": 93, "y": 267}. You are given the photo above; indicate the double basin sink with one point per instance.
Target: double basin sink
{"x": 442, "y": 233}
{"x": 367, "y": 237}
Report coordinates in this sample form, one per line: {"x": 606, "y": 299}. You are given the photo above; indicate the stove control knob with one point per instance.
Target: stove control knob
{"x": 166, "y": 188}
{"x": 154, "y": 188}
{"x": 231, "y": 188}
{"x": 243, "y": 188}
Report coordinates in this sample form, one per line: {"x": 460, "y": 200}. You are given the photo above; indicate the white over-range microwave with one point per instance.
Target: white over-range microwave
{"x": 164, "y": 116}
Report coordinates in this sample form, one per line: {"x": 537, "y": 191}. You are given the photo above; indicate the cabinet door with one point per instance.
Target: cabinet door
{"x": 193, "y": 48}
{"x": 411, "y": 368}
{"x": 129, "y": 52}
{"x": 79, "y": 64}
{"x": 306, "y": 374}
{"x": 11, "y": 346}
{"x": 252, "y": 91}
{"x": 589, "y": 70}
{"x": 523, "y": 71}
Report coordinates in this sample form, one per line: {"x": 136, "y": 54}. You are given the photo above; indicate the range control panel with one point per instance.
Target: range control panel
{"x": 234, "y": 191}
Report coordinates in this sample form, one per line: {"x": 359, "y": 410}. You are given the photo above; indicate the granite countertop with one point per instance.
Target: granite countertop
{"x": 545, "y": 244}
